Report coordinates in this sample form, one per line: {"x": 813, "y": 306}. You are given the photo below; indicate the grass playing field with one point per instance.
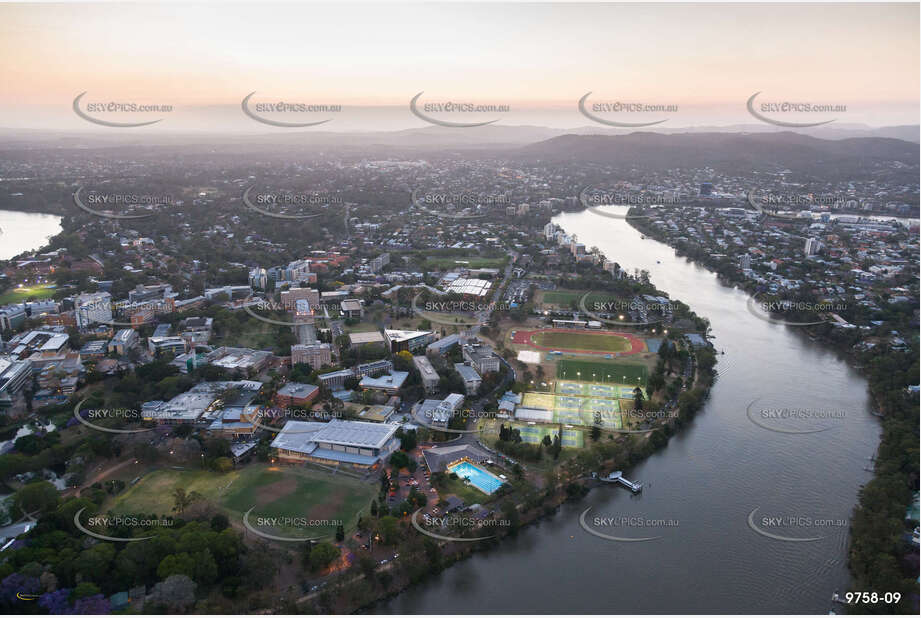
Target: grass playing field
{"x": 565, "y": 298}
{"x": 18, "y": 295}
{"x": 614, "y": 372}
{"x": 578, "y": 340}
{"x": 293, "y": 492}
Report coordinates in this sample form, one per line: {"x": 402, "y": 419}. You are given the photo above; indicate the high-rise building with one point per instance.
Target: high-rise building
{"x": 258, "y": 278}
{"x": 95, "y": 308}
{"x": 290, "y": 297}
{"x": 314, "y": 354}
{"x": 813, "y": 246}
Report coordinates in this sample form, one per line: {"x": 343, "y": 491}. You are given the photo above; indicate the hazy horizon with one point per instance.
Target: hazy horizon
{"x": 203, "y": 61}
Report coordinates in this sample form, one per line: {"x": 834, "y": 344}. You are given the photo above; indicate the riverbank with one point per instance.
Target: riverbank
{"x": 877, "y": 551}
{"x": 568, "y": 482}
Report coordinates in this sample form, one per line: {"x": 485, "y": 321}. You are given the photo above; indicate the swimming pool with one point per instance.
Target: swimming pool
{"x": 479, "y": 478}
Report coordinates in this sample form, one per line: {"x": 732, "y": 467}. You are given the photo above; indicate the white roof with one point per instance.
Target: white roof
{"x": 371, "y": 336}
{"x": 303, "y": 436}
{"x": 474, "y": 287}
{"x": 405, "y": 335}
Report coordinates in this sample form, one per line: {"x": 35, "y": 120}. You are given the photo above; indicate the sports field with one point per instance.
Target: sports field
{"x": 589, "y": 389}
{"x": 533, "y": 434}
{"x": 19, "y": 295}
{"x": 289, "y": 492}
{"x": 577, "y": 409}
{"x": 565, "y": 298}
{"x": 593, "y": 342}
{"x": 611, "y": 372}
{"x": 579, "y": 341}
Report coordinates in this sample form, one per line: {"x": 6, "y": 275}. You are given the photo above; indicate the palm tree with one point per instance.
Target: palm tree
{"x": 183, "y": 500}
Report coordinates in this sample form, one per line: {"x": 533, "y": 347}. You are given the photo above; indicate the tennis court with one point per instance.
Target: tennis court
{"x": 534, "y": 434}
{"x": 578, "y": 409}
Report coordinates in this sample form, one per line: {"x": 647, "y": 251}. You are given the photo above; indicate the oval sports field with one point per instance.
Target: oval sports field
{"x": 580, "y": 341}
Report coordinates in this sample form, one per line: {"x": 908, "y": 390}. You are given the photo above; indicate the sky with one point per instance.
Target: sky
{"x": 538, "y": 59}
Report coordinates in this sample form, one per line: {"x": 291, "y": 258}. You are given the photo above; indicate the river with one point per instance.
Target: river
{"x": 25, "y": 231}
{"x": 706, "y": 483}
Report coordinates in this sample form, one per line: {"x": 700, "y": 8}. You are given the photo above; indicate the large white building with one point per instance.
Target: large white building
{"x": 91, "y": 309}
{"x": 481, "y": 356}
{"x": 357, "y": 443}
{"x": 314, "y": 354}
{"x": 471, "y": 378}
{"x": 399, "y": 340}
{"x": 14, "y": 374}
{"x": 813, "y": 246}
{"x": 430, "y": 377}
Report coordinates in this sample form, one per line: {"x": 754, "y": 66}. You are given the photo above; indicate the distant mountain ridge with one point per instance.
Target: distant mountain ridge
{"x": 429, "y": 137}
{"x": 729, "y": 151}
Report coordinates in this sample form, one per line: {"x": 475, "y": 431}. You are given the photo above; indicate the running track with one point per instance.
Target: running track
{"x": 524, "y": 337}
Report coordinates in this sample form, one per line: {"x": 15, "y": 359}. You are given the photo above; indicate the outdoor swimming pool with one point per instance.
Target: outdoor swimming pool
{"x": 479, "y": 478}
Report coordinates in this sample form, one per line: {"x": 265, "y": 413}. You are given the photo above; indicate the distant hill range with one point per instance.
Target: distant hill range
{"x": 423, "y": 138}
{"x": 732, "y": 151}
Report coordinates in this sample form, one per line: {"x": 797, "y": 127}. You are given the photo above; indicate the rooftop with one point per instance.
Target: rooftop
{"x": 297, "y": 390}
{"x": 394, "y": 379}
{"x": 405, "y": 335}
{"x": 304, "y": 436}
{"x": 371, "y": 336}
{"x": 466, "y": 372}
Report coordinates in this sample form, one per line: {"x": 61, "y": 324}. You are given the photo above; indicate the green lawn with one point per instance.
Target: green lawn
{"x": 473, "y": 261}
{"x": 568, "y": 369}
{"x": 253, "y": 333}
{"x": 594, "y": 342}
{"x": 274, "y": 491}
{"x": 465, "y": 491}
{"x": 18, "y": 295}
{"x": 565, "y": 298}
